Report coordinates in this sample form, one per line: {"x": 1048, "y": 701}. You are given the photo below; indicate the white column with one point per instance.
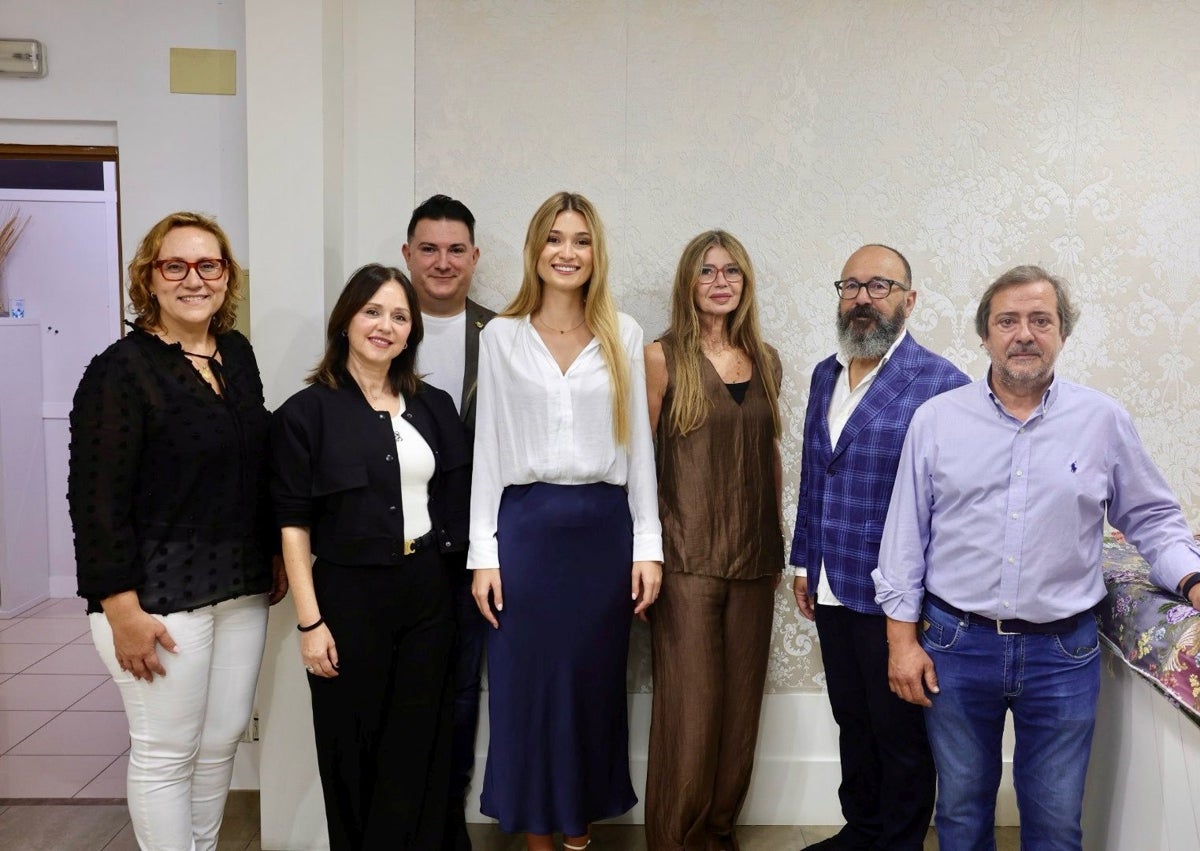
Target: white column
{"x": 329, "y": 103}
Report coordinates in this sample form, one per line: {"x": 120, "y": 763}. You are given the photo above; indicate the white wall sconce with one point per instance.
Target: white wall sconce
{"x": 22, "y": 57}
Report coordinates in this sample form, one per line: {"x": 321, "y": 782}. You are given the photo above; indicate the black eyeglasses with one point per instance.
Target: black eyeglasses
{"x": 876, "y": 287}
{"x": 208, "y": 268}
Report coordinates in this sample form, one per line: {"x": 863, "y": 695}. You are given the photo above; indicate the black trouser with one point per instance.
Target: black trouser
{"x": 888, "y": 777}
{"x": 383, "y": 725}
{"x": 468, "y": 654}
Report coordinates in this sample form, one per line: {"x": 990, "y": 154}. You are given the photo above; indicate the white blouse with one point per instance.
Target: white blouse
{"x": 536, "y": 424}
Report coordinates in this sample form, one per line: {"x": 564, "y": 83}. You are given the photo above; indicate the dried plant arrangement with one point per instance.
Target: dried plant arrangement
{"x": 12, "y": 225}
{"x": 10, "y": 231}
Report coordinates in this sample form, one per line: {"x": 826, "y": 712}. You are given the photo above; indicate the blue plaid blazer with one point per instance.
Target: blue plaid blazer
{"x": 844, "y": 490}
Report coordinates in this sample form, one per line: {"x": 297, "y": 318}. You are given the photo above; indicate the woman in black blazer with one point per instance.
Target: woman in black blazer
{"x": 371, "y": 475}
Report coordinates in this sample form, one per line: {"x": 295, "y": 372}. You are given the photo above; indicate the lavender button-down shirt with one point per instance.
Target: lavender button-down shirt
{"x": 1005, "y": 518}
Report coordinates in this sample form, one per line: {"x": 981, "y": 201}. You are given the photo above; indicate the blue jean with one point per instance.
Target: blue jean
{"x": 1050, "y": 683}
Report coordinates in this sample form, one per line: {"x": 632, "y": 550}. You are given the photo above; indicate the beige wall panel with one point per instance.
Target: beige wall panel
{"x": 971, "y": 136}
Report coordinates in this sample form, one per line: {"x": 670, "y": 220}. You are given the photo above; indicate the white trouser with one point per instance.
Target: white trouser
{"x": 184, "y": 728}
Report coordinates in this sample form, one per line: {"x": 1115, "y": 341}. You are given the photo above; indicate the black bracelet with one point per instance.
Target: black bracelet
{"x": 311, "y": 626}
{"x": 1191, "y": 583}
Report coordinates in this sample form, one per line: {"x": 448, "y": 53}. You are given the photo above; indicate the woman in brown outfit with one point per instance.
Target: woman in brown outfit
{"x": 713, "y": 386}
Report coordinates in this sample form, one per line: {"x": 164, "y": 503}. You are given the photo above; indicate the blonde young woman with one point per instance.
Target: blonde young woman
{"x": 713, "y": 389}
{"x": 565, "y": 538}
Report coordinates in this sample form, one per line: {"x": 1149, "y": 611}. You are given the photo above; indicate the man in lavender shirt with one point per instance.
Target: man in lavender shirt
{"x": 989, "y": 568}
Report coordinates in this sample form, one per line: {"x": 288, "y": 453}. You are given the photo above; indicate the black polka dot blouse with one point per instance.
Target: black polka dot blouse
{"x": 168, "y": 479}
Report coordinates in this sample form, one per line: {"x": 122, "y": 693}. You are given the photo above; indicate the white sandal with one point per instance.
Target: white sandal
{"x": 567, "y": 846}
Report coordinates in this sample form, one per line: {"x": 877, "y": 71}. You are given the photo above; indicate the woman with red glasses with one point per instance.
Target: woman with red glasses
{"x": 173, "y": 531}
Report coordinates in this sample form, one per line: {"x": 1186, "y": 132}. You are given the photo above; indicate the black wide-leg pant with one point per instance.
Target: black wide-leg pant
{"x": 383, "y": 726}
{"x": 887, "y": 768}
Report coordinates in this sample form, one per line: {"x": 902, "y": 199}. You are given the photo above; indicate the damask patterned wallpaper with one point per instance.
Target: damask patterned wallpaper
{"x": 972, "y": 136}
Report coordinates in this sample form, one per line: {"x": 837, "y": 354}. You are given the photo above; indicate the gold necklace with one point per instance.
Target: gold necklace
{"x": 718, "y": 349}
{"x": 375, "y": 397}
{"x": 203, "y": 367}
{"x": 549, "y": 327}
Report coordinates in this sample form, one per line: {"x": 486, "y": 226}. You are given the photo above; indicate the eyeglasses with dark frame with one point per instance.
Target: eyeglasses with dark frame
{"x": 175, "y": 269}
{"x": 708, "y": 274}
{"x": 876, "y": 287}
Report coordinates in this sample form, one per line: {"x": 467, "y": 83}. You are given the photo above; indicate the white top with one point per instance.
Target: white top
{"x": 417, "y": 467}
{"x": 442, "y": 357}
{"x": 536, "y": 424}
{"x": 842, "y": 404}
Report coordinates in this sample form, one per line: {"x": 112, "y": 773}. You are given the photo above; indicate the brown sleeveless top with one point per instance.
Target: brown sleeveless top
{"x": 716, "y": 486}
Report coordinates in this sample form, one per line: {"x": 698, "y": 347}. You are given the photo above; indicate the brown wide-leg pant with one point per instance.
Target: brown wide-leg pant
{"x": 710, "y": 641}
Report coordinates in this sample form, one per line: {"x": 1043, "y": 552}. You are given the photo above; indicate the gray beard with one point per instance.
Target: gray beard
{"x": 874, "y": 344}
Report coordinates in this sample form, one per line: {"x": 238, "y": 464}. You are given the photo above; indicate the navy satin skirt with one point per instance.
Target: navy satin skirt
{"x": 558, "y": 756}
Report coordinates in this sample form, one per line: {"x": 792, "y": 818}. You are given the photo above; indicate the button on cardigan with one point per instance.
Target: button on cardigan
{"x": 334, "y": 471}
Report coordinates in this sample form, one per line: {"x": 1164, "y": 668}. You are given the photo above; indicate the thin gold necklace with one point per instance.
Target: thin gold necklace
{"x": 203, "y": 367}
{"x": 375, "y": 397}
{"x": 550, "y": 327}
{"x": 717, "y": 349}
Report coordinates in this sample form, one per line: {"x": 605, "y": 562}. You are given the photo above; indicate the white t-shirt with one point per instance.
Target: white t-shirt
{"x": 442, "y": 358}
{"x": 537, "y": 424}
{"x": 417, "y": 467}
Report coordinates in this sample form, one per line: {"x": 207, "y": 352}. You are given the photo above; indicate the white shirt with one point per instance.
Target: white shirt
{"x": 842, "y": 404}
{"x": 536, "y": 424}
{"x": 442, "y": 357}
{"x": 417, "y": 467}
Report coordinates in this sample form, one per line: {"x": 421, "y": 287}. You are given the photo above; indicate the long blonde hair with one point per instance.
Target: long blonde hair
{"x": 690, "y": 406}
{"x": 598, "y": 309}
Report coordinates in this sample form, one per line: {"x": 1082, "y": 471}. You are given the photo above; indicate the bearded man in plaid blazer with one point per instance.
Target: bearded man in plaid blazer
{"x": 859, "y": 405}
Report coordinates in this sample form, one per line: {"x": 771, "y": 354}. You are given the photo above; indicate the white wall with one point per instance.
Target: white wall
{"x": 108, "y": 83}
{"x": 331, "y": 150}
{"x": 75, "y": 296}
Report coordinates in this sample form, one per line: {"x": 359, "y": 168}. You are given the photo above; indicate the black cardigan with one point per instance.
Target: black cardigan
{"x": 168, "y": 481}
{"x": 334, "y": 471}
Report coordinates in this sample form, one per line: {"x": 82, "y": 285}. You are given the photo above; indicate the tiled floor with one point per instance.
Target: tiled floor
{"x": 73, "y": 827}
{"x": 62, "y": 730}
{"x": 63, "y": 736}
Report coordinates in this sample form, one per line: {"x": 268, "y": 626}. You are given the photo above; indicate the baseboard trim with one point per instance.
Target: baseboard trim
{"x": 63, "y": 586}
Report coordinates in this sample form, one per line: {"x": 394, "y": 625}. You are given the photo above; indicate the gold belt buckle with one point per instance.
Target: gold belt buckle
{"x": 410, "y": 546}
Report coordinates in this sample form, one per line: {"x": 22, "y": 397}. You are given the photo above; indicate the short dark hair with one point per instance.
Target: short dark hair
{"x": 364, "y": 283}
{"x": 442, "y": 208}
{"x": 1068, "y": 314}
{"x": 903, "y": 260}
